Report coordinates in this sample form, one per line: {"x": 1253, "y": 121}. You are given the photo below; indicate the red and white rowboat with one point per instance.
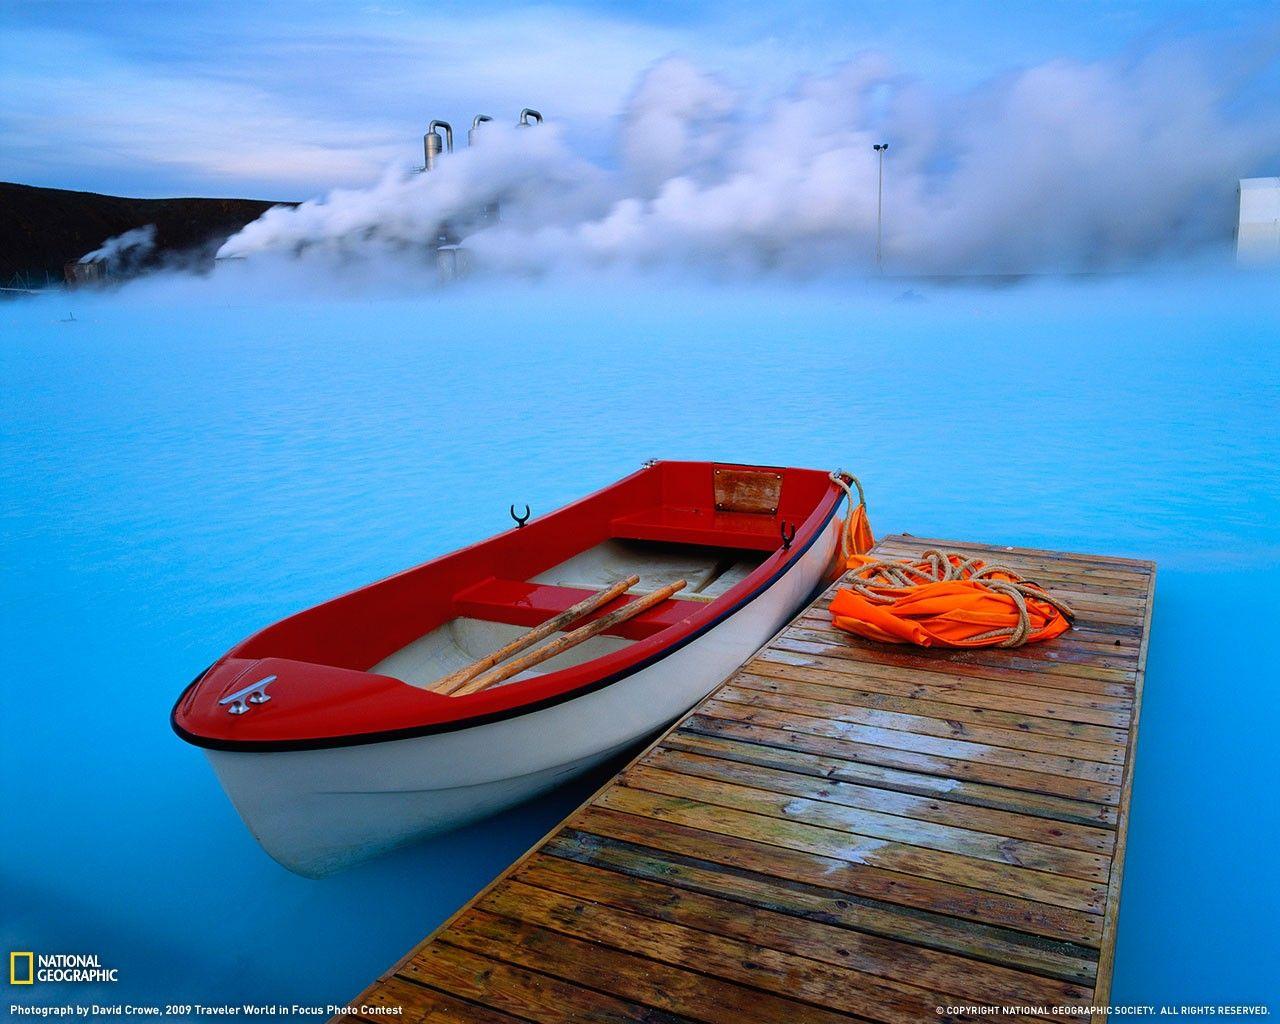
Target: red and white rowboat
{"x": 324, "y": 732}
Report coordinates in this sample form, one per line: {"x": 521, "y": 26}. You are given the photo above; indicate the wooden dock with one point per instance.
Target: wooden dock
{"x": 843, "y": 830}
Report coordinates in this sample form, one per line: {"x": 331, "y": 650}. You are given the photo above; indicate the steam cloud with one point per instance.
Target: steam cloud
{"x": 128, "y": 247}
{"x": 1063, "y": 165}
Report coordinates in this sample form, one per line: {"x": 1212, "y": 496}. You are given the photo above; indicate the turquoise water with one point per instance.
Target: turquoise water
{"x": 179, "y": 466}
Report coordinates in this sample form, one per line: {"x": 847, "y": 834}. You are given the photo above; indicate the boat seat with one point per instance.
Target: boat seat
{"x": 744, "y": 530}
{"x": 519, "y": 603}
{"x": 707, "y": 572}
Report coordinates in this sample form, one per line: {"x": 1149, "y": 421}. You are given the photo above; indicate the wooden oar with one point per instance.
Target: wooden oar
{"x": 569, "y": 640}
{"x": 455, "y": 679}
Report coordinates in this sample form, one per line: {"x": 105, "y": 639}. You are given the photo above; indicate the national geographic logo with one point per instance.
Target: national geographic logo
{"x": 22, "y": 968}
{"x": 27, "y": 968}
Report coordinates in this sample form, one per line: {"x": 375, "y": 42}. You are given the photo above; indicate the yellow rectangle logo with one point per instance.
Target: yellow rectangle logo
{"x": 14, "y": 960}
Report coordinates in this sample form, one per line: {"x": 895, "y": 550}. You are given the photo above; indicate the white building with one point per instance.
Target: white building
{"x": 1258, "y": 234}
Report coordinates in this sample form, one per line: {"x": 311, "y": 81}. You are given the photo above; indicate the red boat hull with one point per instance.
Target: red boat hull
{"x": 323, "y": 694}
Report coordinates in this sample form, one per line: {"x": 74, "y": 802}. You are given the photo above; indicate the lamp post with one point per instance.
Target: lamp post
{"x": 880, "y": 147}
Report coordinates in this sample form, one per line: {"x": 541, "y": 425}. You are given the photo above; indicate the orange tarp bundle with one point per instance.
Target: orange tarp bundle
{"x": 858, "y": 532}
{"x": 945, "y": 600}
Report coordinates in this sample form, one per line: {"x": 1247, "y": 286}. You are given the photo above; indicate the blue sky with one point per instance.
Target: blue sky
{"x": 283, "y": 100}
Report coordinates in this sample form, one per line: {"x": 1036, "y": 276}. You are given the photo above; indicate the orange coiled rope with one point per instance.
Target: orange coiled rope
{"x": 945, "y": 600}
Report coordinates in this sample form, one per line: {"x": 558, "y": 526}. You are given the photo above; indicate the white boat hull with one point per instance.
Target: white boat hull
{"x": 318, "y": 811}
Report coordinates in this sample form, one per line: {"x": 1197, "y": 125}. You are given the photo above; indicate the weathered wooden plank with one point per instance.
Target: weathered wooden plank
{"x": 868, "y": 954}
{"x": 1028, "y": 724}
{"x": 663, "y": 991}
{"x": 908, "y": 760}
{"x": 1008, "y": 554}
{"x": 519, "y": 992}
{"x": 929, "y": 725}
{"x": 871, "y": 824}
{"x": 1055, "y": 959}
{"x": 837, "y": 987}
{"x": 892, "y": 780}
{"x": 896, "y": 665}
{"x": 851, "y": 878}
{"x": 785, "y": 666}
{"x": 844, "y": 830}
{"x": 1006, "y": 879}
{"x": 897, "y": 739}
{"x": 943, "y": 812}
{"x": 785, "y": 651}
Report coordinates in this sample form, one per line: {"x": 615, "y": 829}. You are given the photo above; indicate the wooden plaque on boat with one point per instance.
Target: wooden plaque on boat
{"x": 747, "y": 490}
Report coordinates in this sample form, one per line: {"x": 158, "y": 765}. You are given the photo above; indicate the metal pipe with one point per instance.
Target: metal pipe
{"x": 433, "y": 145}
{"x": 527, "y": 113}
{"x": 448, "y": 132}
{"x": 476, "y": 122}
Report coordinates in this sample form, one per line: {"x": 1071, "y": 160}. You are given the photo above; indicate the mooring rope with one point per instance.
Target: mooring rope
{"x": 885, "y": 582}
{"x": 842, "y": 480}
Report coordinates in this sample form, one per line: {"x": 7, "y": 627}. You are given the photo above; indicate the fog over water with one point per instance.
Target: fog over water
{"x": 192, "y": 458}
{"x": 1063, "y": 165}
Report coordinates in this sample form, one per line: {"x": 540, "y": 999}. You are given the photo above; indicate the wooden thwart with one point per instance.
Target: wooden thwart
{"x": 452, "y": 682}
{"x": 842, "y": 829}
{"x": 569, "y": 640}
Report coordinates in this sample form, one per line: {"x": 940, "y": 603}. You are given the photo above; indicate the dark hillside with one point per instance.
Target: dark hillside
{"x": 41, "y": 229}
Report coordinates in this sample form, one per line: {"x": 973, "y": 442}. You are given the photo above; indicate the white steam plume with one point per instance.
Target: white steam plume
{"x": 1061, "y": 166}
{"x": 129, "y": 246}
